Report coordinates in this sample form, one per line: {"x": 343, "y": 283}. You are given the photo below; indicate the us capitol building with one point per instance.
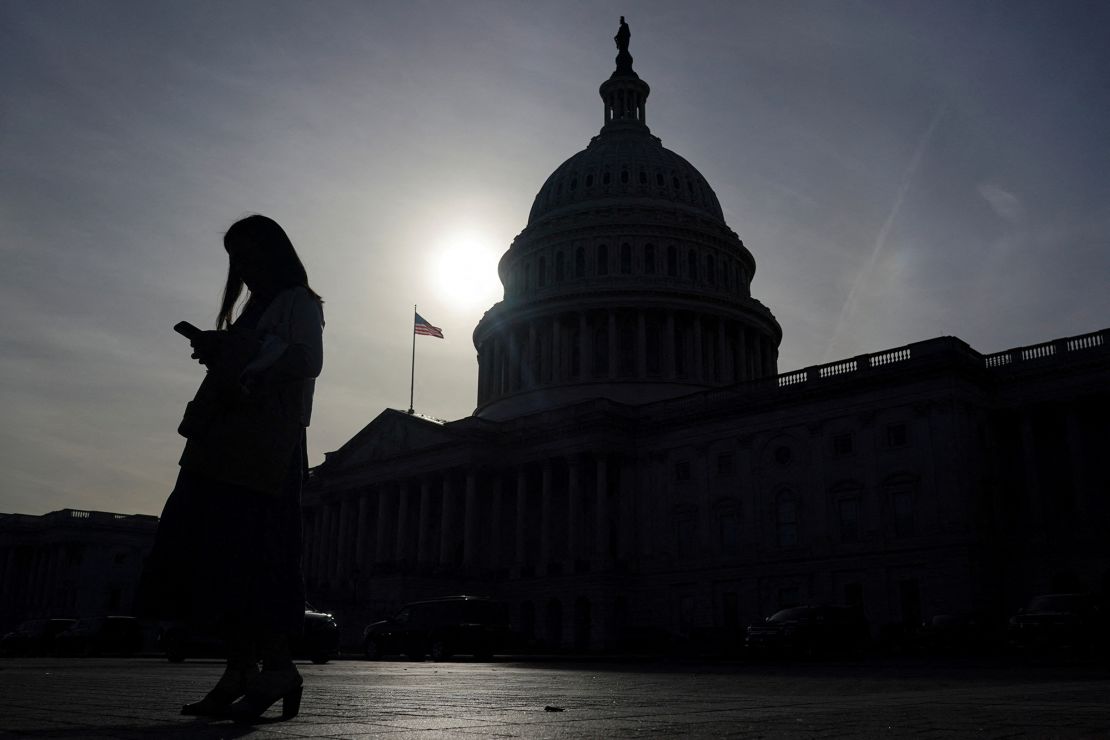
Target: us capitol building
{"x": 638, "y": 469}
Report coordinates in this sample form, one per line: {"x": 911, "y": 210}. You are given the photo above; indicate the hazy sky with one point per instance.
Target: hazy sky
{"x": 899, "y": 170}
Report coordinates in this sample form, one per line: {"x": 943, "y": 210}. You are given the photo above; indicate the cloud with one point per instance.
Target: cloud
{"x": 1005, "y": 204}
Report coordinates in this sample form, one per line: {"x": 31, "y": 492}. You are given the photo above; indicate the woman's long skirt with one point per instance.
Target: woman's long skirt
{"x": 226, "y": 558}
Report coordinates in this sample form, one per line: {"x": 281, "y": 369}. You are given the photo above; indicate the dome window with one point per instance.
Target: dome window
{"x": 605, "y": 178}
{"x": 677, "y": 185}
{"x": 643, "y": 177}
{"x": 659, "y": 179}
{"x": 672, "y": 261}
{"x": 649, "y": 259}
{"x": 541, "y": 273}
{"x": 573, "y": 184}
{"x": 692, "y": 264}
{"x": 624, "y": 177}
{"x": 559, "y": 267}
{"x": 710, "y": 270}
{"x": 626, "y": 258}
{"x": 580, "y": 262}
{"x": 602, "y": 260}
{"x": 589, "y": 181}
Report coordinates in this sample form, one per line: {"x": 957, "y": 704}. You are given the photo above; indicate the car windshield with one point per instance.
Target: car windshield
{"x": 791, "y": 615}
{"x": 1057, "y": 603}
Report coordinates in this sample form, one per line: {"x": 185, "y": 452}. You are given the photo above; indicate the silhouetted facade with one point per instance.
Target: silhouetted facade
{"x": 71, "y": 563}
{"x": 637, "y": 466}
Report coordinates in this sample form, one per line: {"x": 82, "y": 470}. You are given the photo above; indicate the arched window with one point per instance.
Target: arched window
{"x": 649, "y": 259}
{"x": 541, "y": 274}
{"x": 901, "y": 495}
{"x": 580, "y": 262}
{"x": 672, "y": 261}
{"x": 710, "y": 270}
{"x": 626, "y": 258}
{"x": 692, "y": 264}
{"x": 559, "y": 268}
{"x": 527, "y": 281}
{"x": 602, "y": 259}
{"x": 786, "y": 519}
{"x": 846, "y": 500}
{"x": 728, "y": 526}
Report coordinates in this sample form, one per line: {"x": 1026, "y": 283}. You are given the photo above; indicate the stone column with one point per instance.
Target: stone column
{"x": 521, "y": 516}
{"x": 574, "y": 514}
{"x": 532, "y": 366}
{"x": 402, "y": 548}
{"x": 318, "y": 541}
{"x": 448, "y": 522}
{"x": 585, "y": 346}
{"x": 613, "y": 353}
{"x": 381, "y": 545}
{"x": 1073, "y": 435}
{"x": 330, "y": 544}
{"x": 513, "y": 368}
{"x": 601, "y": 528}
{"x": 424, "y": 535}
{"x": 641, "y": 345}
{"x": 668, "y": 348}
{"x": 546, "y": 524}
{"x": 698, "y": 369}
{"x": 723, "y": 355}
{"x": 1032, "y": 479}
{"x": 757, "y": 355}
{"x": 470, "y": 533}
{"x": 557, "y": 360}
{"x": 362, "y": 536}
{"x": 496, "y": 533}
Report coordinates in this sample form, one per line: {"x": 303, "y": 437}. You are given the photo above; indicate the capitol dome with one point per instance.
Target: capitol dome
{"x": 626, "y": 283}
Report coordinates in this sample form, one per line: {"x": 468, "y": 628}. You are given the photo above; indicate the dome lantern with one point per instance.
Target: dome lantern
{"x": 624, "y": 94}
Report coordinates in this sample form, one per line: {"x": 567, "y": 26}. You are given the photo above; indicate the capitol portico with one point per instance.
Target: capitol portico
{"x": 638, "y": 470}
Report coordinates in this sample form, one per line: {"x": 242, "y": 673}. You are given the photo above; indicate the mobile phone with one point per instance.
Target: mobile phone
{"x": 187, "y": 330}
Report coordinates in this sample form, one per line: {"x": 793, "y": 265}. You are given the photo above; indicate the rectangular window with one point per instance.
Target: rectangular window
{"x": 848, "y": 510}
{"x": 842, "y": 445}
{"x": 902, "y": 503}
{"x": 896, "y": 435}
{"x": 724, "y": 464}
{"x": 730, "y": 532}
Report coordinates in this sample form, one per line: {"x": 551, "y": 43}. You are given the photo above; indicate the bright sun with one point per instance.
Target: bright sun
{"x": 465, "y": 271}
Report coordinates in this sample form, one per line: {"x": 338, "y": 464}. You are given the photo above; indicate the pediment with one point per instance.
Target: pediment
{"x": 391, "y": 434}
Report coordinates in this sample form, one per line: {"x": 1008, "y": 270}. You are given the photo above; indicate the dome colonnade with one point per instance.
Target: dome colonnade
{"x": 626, "y": 282}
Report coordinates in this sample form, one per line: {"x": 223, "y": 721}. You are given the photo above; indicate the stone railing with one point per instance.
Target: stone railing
{"x": 1093, "y": 340}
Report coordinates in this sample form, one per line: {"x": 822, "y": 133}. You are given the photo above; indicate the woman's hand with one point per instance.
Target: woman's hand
{"x": 208, "y": 346}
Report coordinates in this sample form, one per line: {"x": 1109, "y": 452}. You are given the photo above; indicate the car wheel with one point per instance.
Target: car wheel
{"x": 320, "y": 659}
{"x": 372, "y": 649}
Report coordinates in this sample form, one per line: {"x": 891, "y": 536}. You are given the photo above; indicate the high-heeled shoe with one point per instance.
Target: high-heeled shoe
{"x": 216, "y": 703}
{"x": 264, "y": 690}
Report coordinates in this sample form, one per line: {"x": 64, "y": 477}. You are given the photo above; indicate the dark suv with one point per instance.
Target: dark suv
{"x": 1073, "y": 620}
{"x": 470, "y": 625}
{"x": 34, "y": 637}
{"x": 810, "y": 631}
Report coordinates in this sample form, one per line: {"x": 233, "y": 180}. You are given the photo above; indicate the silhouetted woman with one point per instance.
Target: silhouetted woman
{"x": 227, "y": 555}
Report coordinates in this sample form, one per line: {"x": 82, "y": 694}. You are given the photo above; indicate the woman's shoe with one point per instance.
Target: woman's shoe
{"x": 230, "y": 687}
{"x": 264, "y": 690}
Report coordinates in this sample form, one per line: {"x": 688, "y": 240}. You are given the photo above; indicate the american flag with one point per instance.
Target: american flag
{"x": 423, "y": 327}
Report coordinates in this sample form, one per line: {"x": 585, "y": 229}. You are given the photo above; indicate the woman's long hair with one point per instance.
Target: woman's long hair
{"x": 283, "y": 264}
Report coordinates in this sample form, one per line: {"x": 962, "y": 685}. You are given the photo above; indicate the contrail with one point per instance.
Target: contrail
{"x": 880, "y": 239}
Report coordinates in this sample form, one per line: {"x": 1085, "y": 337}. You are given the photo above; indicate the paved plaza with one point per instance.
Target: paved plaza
{"x": 141, "y": 697}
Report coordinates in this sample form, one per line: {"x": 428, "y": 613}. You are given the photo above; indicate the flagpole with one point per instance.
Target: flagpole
{"x": 412, "y": 375}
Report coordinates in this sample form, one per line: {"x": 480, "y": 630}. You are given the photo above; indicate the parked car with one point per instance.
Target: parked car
{"x": 470, "y": 625}
{"x": 99, "y": 635}
{"x": 1068, "y": 620}
{"x": 319, "y": 641}
{"x": 34, "y": 637}
{"x": 809, "y": 631}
